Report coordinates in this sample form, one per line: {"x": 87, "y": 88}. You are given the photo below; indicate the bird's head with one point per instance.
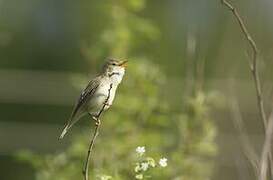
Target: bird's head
{"x": 114, "y": 69}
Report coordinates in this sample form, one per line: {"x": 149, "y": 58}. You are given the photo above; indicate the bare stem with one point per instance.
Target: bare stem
{"x": 267, "y": 149}
{"x": 253, "y": 67}
{"x": 248, "y": 148}
{"x": 86, "y": 165}
{"x": 267, "y": 157}
{"x": 90, "y": 148}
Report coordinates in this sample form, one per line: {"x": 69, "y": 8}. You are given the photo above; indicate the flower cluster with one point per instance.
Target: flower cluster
{"x": 144, "y": 164}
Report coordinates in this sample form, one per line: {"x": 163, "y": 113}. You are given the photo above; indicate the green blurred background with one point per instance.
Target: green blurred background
{"x": 187, "y": 64}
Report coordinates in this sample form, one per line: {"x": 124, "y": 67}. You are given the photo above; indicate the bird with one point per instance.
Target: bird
{"x": 98, "y": 94}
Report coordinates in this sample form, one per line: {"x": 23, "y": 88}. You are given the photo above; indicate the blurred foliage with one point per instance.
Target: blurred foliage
{"x": 139, "y": 116}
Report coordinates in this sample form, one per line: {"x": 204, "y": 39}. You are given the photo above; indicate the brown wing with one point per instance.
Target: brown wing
{"x": 85, "y": 96}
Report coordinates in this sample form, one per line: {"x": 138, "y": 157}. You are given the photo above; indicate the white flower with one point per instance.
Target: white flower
{"x": 144, "y": 166}
{"x": 140, "y": 150}
{"x": 139, "y": 176}
{"x": 163, "y": 162}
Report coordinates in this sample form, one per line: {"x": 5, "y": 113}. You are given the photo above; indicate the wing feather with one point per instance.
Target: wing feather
{"x": 85, "y": 96}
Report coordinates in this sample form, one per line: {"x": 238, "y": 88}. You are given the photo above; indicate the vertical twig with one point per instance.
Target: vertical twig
{"x": 267, "y": 148}
{"x": 90, "y": 148}
{"x": 253, "y": 67}
{"x": 248, "y": 148}
{"x": 267, "y": 157}
{"x": 86, "y": 165}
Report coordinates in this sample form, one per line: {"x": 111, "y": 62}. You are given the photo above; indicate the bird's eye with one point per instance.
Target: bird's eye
{"x": 114, "y": 64}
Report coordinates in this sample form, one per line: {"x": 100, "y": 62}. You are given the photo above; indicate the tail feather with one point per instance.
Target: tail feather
{"x": 74, "y": 118}
{"x": 64, "y": 132}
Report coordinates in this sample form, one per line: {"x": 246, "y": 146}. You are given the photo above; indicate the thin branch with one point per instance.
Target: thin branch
{"x": 253, "y": 67}
{"x": 86, "y": 165}
{"x": 267, "y": 148}
{"x": 256, "y": 79}
{"x": 248, "y": 148}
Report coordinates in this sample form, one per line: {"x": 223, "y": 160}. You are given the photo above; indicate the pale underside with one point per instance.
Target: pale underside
{"x": 94, "y": 104}
{"x": 94, "y": 96}
{"x": 99, "y": 97}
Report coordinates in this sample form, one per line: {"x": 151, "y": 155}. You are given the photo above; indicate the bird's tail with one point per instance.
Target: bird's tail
{"x": 66, "y": 128}
{"x": 69, "y": 124}
{"x": 73, "y": 119}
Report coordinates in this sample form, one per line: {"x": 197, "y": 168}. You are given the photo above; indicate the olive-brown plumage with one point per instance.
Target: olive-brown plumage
{"x": 95, "y": 94}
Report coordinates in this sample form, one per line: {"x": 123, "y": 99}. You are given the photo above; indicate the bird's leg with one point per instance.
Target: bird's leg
{"x": 107, "y": 105}
{"x": 97, "y": 121}
{"x": 95, "y": 117}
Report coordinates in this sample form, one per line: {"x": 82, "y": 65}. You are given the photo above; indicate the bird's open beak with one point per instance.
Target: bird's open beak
{"x": 123, "y": 64}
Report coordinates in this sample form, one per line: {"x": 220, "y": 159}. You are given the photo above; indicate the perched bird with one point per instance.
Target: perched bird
{"x": 93, "y": 98}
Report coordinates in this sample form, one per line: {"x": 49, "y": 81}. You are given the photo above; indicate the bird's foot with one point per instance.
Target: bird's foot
{"x": 107, "y": 105}
{"x": 97, "y": 120}
{"x": 97, "y": 123}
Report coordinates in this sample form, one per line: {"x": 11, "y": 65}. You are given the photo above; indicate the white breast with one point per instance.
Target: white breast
{"x": 98, "y": 99}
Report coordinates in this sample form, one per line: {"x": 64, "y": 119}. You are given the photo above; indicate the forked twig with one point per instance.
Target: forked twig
{"x": 90, "y": 148}
{"x": 267, "y": 148}
{"x": 253, "y": 67}
{"x": 267, "y": 157}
